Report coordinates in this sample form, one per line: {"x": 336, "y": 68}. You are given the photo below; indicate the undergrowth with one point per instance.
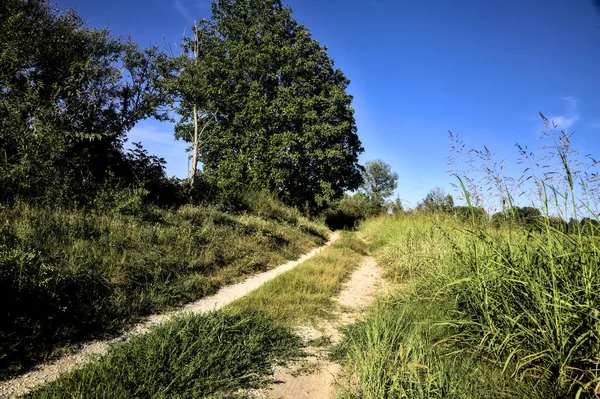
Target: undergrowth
{"x": 66, "y": 276}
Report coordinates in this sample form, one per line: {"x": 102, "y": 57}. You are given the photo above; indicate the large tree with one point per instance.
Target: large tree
{"x": 68, "y": 96}
{"x": 282, "y": 117}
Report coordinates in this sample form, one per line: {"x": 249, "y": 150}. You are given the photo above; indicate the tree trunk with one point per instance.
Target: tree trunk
{"x": 195, "y": 147}
{"x": 195, "y": 155}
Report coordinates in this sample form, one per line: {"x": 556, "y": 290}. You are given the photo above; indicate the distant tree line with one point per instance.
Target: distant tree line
{"x": 527, "y": 217}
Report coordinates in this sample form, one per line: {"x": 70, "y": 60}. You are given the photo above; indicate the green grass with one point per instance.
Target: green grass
{"x": 208, "y": 356}
{"x": 67, "y": 276}
{"x": 484, "y": 312}
{"x": 405, "y": 348}
{"x": 305, "y": 293}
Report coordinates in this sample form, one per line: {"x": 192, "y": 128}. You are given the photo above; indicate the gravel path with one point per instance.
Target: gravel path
{"x": 319, "y": 382}
{"x": 51, "y": 371}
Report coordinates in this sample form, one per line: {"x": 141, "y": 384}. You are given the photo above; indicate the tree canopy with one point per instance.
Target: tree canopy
{"x": 69, "y": 94}
{"x": 282, "y": 117}
{"x": 437, "y": 201}
{"x": 379, "y": 181}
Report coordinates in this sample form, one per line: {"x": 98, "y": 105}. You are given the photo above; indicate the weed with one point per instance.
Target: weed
{"x": 67, "y": 276}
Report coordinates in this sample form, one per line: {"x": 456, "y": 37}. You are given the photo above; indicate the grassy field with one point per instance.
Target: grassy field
{"x": 67, "y": 276}
{"x": 305, "y": 293}
{"x": 487, "y": 313}
{"x": 216, "y": 355}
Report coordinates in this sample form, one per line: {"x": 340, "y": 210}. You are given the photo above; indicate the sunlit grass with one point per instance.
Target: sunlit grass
{"x": 207, "y": 356}
{"x": 306, "y": 292}
{"x": 517, "y": 308}
{"x": 72, "y": 275}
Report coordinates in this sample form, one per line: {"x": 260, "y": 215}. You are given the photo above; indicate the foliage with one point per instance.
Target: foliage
{"x": 211, "y": 355}
{"x": 525, "y": 216}
{"x": 351, "y": 209}
{"x": 282, "y": 118}
{"x": 67, "y": 276}
{"x": 437, "y": 201}
{"x": 379, "y": 182}
{"x": 69, "y": 94}
{"x": 395, "y": 207}
{"x": 470, "y": 214}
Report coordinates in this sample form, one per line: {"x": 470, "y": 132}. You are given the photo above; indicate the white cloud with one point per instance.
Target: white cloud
{"x": 564, "y": 121}
{"x": 571, "y": 115}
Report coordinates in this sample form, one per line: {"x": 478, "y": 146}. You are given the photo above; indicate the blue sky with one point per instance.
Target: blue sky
{"x": 481, "y": 68}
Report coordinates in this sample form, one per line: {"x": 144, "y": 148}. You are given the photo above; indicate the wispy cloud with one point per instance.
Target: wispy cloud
{"x": 595, "y": 125}
{"x": 189, "y": 9}
{"x": 570, "y": 117}
{"x": 182, "y": 10}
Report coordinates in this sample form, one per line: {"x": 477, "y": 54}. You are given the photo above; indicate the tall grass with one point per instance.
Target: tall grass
{"x": 66, "y": 276}
{"x": 215, "y": 355}
{"x": 533, "y": 299}
{"x": 519, "y": 306}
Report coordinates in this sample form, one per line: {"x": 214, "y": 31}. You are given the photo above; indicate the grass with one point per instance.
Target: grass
{"x": 489, "y": 310}
{"x": 409, "y": 345}
{"x": 404, "y": 348}
{"x": 305, "y": 293}
{"x": 216, "y": 355}
{"x": 68, "y": 276}
{"x": 487, "y": 313}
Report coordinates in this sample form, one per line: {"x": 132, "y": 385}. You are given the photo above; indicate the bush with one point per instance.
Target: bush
{"x": 350, "y": 210}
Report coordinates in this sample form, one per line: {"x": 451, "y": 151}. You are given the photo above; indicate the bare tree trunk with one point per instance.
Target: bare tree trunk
{"x": 195, "y": 146}
{"x": 195, "y": 155}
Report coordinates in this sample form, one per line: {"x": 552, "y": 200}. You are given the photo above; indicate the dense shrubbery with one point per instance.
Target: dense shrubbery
{"x": 350, "y": 210}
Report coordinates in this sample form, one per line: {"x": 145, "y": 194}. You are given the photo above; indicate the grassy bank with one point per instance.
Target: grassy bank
{"x": 72, "y": 275}
{"x": 208, "y": 356}
{"x": 488, "y": 313}
{"x": 305, "y": 293}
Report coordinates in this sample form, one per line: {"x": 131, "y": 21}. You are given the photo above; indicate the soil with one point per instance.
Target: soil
{"x": 315, "y": 376}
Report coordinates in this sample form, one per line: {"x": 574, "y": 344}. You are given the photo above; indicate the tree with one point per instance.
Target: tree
{"x": 437, "y": 201}
{"x": 69, "y": 95}
{"x": 282, "y": 117}
{"x": 379, "y": 182}
{"x": 190, "y": 90}
{"x": 396, "y": 206}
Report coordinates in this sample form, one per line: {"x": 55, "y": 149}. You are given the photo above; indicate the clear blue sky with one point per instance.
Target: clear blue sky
{"x": 482, "y": 68}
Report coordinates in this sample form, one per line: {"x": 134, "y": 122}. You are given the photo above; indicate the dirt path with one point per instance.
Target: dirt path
{"x": 49, "y": 372}
{"x": 315, "y": 376}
